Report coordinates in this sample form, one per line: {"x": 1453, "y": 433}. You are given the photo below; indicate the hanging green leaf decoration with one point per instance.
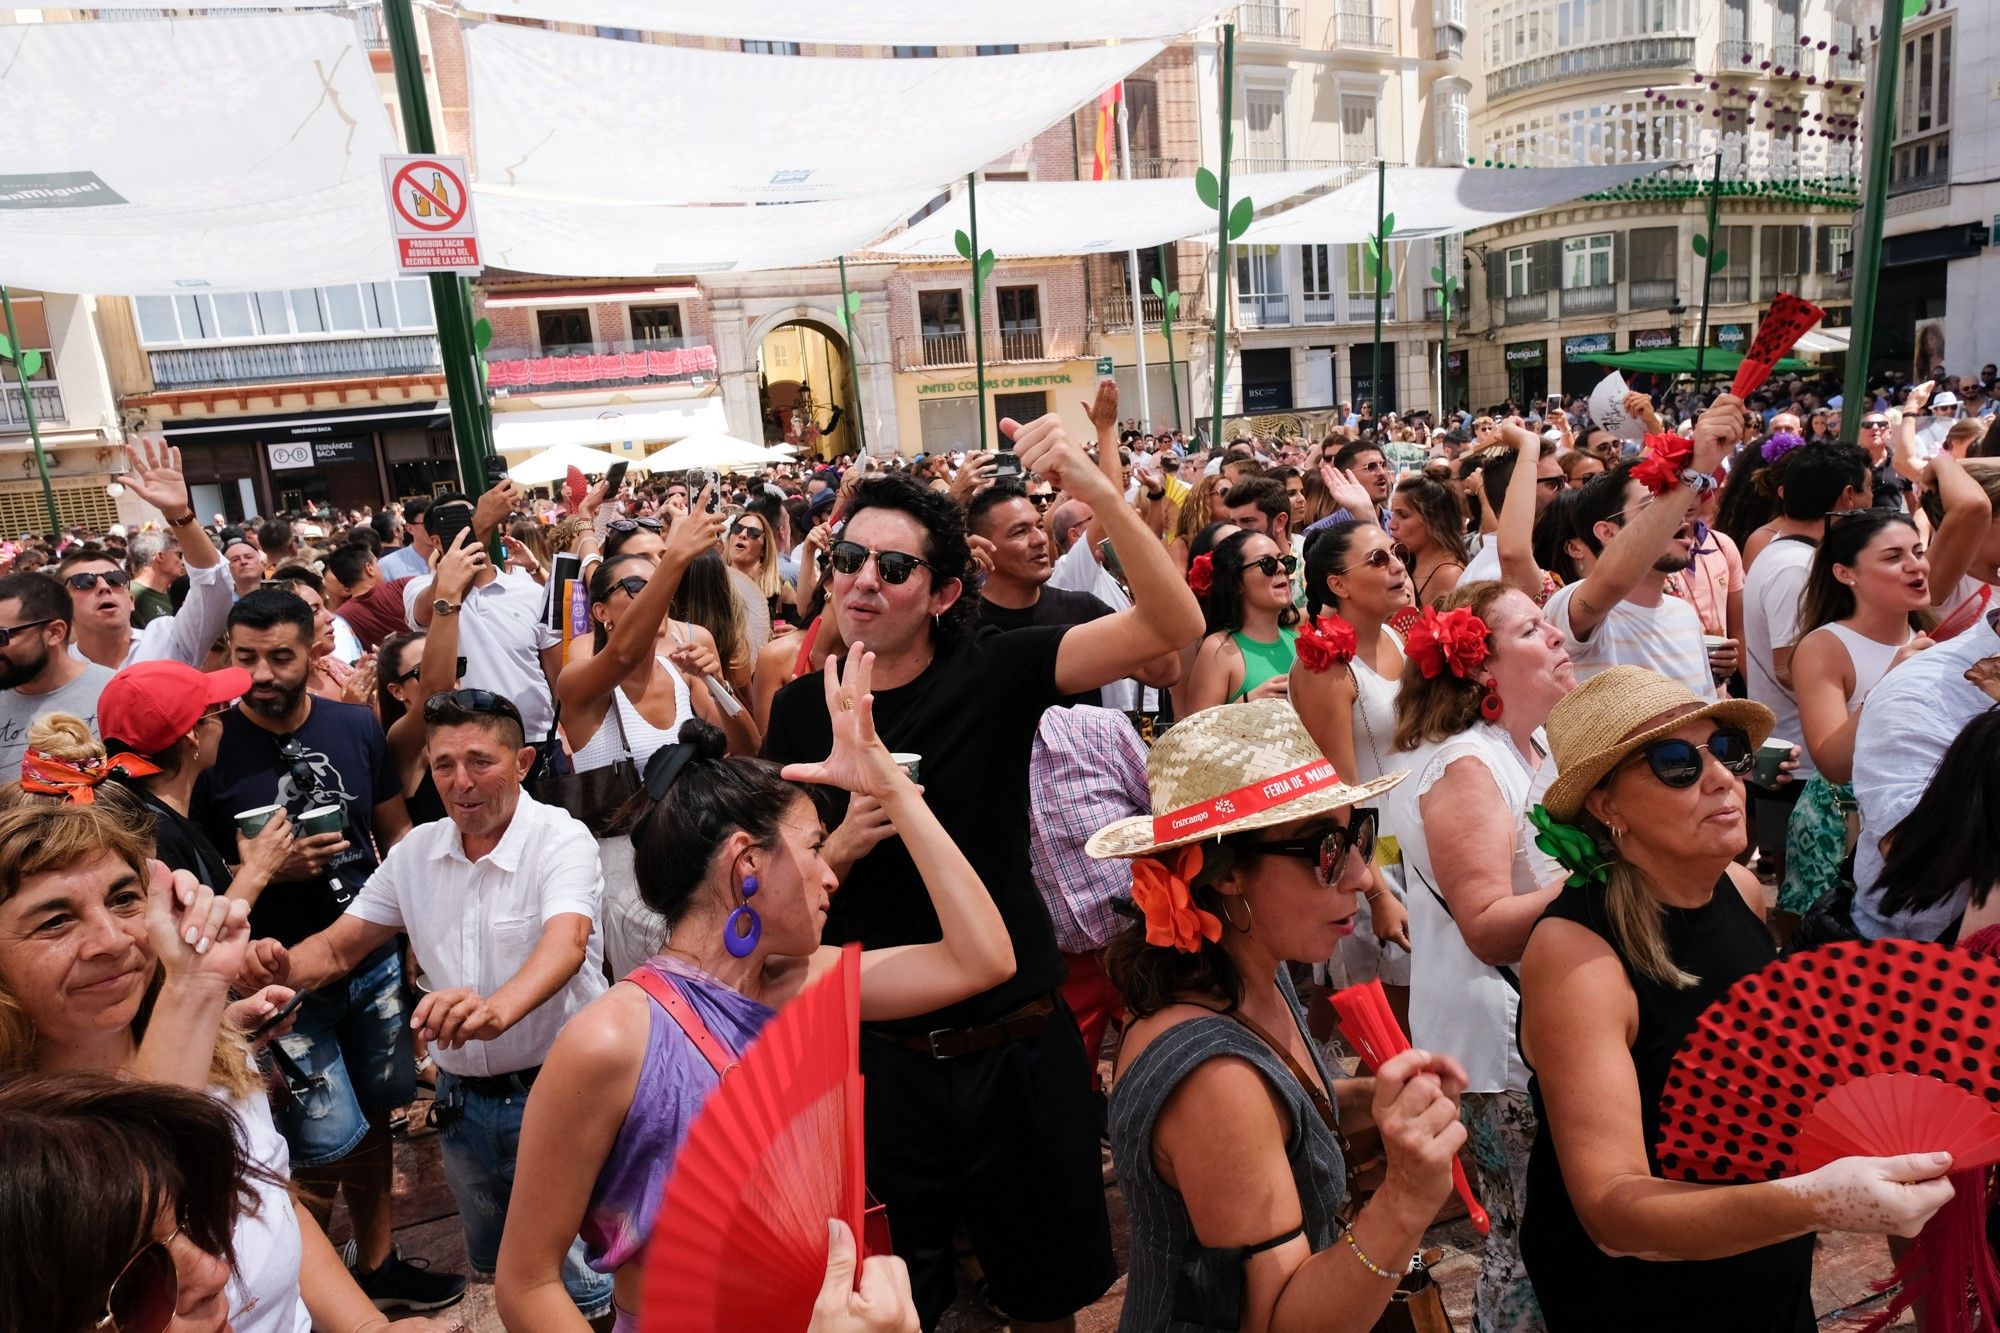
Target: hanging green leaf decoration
{"x": 1388, "y": 280}
{"x": 6, "y": 348}
{"x": 1437, "y": 274}
{"x": 1700, "y": 244}
{"x": 964, "y": 244}
{"x": 1206, "y": 189}
{"x": 1159, "y": 289}
{"x": 1239, "y": 217}
{"x": 1173, "y": 300}
{"x": 31, "y": 364}
{"x": 848, "y": 309}
{"x": 482, "y": 334}
{"x": 1388, "y": 224}
{"x": 1719, "y": 260}
{"x": 985, "y": 266}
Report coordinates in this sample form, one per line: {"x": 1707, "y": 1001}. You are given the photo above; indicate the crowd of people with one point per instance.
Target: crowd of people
{"x": 1117, "y": 758}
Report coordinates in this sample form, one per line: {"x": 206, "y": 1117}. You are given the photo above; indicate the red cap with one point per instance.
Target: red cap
{"x": 150, "y": 705}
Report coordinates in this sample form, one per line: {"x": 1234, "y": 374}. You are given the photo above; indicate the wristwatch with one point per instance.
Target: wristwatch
{"x": 1698, "y": 481}
{"x": 440, "y": 607}
{"x": 183, "y": 520}
{"x": 1159, "y": 494}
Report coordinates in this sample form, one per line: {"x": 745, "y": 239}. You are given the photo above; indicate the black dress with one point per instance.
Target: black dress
{"x": 1766, "y": 1290}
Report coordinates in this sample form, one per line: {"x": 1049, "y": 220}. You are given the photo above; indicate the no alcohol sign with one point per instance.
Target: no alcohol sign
{"x": 430, "y": 211}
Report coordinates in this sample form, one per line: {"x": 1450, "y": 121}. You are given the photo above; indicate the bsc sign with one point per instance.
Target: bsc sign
{"x": 430, "y": 212}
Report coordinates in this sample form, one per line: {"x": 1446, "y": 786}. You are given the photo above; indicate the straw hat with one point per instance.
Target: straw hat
{"x": 1227, "y": 770}
{"x": 1615, "y": 712}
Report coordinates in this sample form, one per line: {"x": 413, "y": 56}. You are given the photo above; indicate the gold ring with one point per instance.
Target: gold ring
{"x": 846, "y": 703}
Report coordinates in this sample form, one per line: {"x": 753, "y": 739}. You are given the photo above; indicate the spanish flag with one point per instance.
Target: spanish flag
{"x": 1107, "y": 130}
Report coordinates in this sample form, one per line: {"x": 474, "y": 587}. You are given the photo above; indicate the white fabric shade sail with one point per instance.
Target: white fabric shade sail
{"x": 599, "y": 238}
{"x": 1820, "y": 342}
{"x": 711, "y": 449}
{"x": 587, "y": 118}
{"x": 1022, "y": 219}
{"x": 552, "y": 465}
{"x": 228, "y": 152}
{"x": 884, "y": 22}
{"x": 522, "y": 430}
{"x": 1436, "y": 201}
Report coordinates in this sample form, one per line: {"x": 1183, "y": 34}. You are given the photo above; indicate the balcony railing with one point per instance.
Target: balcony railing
{"x": 1318, "y": 308}
{"x": 1448, "y": 42}
{"x": 1920, "y": 164}
{"x": 1022, "y": 343}
{"x": 1361, "y": 29}
{"x": 1590, "y": 300}
{"x": 48, "y": 405}
{"x": 944, "y": 349}
{"x": 1726, "y": 289}
{"x": 1361, "y": 308}
{"x": 1114, "y": 310}
{"x": 373, "y": 35}
{"x": 1842, "y": 66}
{"x": 930, "y": 350}
{"x": 272, "y": 363}
{"x": 1527, "y": 309}
{"x": 1734, "y": 53}
{"x": 1630, "y": 53}
{"x": 1149, "y": 168}
{"x": 1651, "y": 293}
{"x": 597, "y": 365}
{"x": 1791, "y": 56}
{"x": 1243, "y": 164}
{"x": 1256, "y": 310}
{"x": 1268, "y": 23}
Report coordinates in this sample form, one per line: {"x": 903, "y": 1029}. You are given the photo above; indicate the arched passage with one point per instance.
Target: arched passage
{"x": 803, "y": 387}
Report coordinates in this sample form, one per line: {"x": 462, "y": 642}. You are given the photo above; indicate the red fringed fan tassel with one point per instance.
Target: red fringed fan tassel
{"x": 1948, "y": 1271}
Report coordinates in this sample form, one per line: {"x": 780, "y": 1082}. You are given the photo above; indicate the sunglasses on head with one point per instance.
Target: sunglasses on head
{"x": 145, "y": 1293}
{"x": 1327, "y": 849}
{"x": 634, "y": 524}
{"x": 113, "y": 578}
{"x": 894, "y": 566}
{"x": 469, "y": 701}
{"x": 1269, "y": 565}
{"x": 1677, "y": 762}
{"x": 1379, "y": 558}
{"x": 414, "y": 671}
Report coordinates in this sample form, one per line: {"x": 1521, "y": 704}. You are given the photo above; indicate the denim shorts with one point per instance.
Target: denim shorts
{"x": 480, "y": 1135}
{"x": 351, "y": 1040}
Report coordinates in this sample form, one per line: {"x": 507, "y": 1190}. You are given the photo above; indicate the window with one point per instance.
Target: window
{"x": 943, "y": 197}
{"x": 1316, "y": 266}
{"x": 771, "y": 48}
{"x": 32, "y": 323}
{"x": 1149, "y": 268}
{"x": 1786, "y": 29}
{"x": 620, "y": 34}
{"x": 1782, "y": 250}
{"x": 1003, "y": 49}
{"x": 1359, "y": 289}
{"x": 1836, "y": 248}
{"x": 1020, "y": 406}
{"x": 1452, "y": 131}
{"x": 1264, "y": 125}
{"x": 1020, "y": 307}
{"x": 1260, "y": 273}
{"x": 1653, "y": 254}
{"x": 403, "y": 306}
{"x": 1587, "y": 260}
{"x": 913, "y": 52}
{"x": 1736, "y": 21}
{"x": 1520, "y": 271}
{"x": 941, "y": 311}
{"x": 563, "y": 332}
{"x": 655, "y": 324}
{"x": 1357, "y": 127}
{"x": 1925, "y": 83}
{"x": 1142, "y": 113}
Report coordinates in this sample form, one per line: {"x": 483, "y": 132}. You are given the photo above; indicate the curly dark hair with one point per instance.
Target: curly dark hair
{"x": 946, "y": 550}
{"x": 1149, "y": 978}
{"x": 1222, "y": 608}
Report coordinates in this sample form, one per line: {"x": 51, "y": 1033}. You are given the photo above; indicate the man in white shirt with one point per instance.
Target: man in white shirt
{"x": 500, "y": 902}
{"x": 1496, "y": 470}
{"x": 1944, "y": 414}
{"x": 1819, "y": 479}
{"x": 414, "y": 557}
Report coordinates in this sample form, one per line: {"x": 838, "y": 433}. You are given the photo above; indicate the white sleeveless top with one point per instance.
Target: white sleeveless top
{"x": 1375, "y": 750}
{"x": 626, "y": 732}
{"x": 1871, "y": 660}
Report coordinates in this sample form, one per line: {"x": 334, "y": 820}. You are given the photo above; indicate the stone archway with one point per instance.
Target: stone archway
{"x": 804, "y": 381}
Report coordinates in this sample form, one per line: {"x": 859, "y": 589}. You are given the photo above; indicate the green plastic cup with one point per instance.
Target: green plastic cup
{"x": 324, "y": 819}
{"x": 251, "y": 822}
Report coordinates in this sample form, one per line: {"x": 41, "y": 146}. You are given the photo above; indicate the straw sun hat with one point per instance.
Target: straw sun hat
{"x": 1617, "y": 711}
{"x": 1231, "y": 769}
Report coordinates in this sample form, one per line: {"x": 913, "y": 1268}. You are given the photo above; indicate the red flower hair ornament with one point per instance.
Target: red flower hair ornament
{"x": 1324, "y": 642}
{"x": 1201, "y": 574}
{"x": 1164, "y": 895}
{"x": 1453, "y": 641}
{"x": 1666, "y": 457}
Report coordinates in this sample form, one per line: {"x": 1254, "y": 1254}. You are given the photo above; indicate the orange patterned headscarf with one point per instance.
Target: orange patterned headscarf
{"x": 46, "y": 775}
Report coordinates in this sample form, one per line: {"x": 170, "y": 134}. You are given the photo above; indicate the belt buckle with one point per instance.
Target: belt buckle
{"x": 933, "y": 1036}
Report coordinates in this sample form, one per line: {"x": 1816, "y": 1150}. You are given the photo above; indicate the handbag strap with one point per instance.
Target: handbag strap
{"x": 668, "y": 996}
{"x": 1507, "y": 974}
{"x": 1321, "y": 1102}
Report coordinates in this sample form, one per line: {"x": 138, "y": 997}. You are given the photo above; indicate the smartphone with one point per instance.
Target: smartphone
{"x": 496, "y": 469}
{"x": 713, "y": 482}
{"x": 614, "y": 478}
{"x": 565, "y": 568}
{"x": 277, "y": 1016}
{"x": 447, "y": 520}
{"x": 1006, "y": 463}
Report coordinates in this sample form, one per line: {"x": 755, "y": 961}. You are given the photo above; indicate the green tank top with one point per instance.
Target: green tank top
{"x": 1261, "y": 660}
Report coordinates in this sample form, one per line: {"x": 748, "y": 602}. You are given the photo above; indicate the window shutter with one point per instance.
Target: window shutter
{"x": 1496, "y": 277}
{"x": 1618, "y": 243}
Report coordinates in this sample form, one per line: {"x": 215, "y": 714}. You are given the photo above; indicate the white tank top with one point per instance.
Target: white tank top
{"x": 1375, "y": 752}
{"x": 1871, "y": 660}
{"x": 626, "y": 732}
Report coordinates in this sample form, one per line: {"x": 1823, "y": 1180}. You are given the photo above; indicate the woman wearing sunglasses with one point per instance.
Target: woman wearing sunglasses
{"x": 1231, "y": 1135}
{"x": 751, "y": 548}
{"x": 1427, "y": 522}
{"x": 1656, "y": 923}
{"x": 1247, "y": 604}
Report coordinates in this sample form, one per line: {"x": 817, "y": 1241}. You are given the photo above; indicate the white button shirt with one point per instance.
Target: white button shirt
{"x": 474, "y": 923}
{"x": 187, "y": 634}
{"x": 501, "y": 635}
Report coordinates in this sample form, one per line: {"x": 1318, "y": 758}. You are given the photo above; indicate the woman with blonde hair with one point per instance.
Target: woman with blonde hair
{"x": 751, "y": 549}
{"x": 1207, "y": 503}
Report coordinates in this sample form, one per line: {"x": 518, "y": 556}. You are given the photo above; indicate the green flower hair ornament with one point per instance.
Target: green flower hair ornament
{"x": 1571, "y": 848}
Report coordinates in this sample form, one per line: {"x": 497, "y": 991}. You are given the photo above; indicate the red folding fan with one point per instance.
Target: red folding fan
{"x": 1371, "y": 1028}
{"x": 1782, "y": 326}
{"x": 1875, "y": 1048}
{"x": 576, "y": 485}
{"x": 740, "y": 1241}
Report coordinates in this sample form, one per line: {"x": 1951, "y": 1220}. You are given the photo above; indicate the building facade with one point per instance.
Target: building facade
{"x": 76, "y": 414}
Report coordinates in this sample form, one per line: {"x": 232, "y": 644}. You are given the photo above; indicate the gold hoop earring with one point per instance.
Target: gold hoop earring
{"x": 1250, "y": 917}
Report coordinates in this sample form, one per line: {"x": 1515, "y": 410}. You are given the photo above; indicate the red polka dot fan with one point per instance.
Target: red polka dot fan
{"x": 1873, "y": 1049}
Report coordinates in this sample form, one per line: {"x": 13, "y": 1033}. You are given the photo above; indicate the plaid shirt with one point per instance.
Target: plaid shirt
{"x": 1087, "y": 770}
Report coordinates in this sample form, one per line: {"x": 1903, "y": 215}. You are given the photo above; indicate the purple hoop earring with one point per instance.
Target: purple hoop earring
{"x": 741, "y": 931}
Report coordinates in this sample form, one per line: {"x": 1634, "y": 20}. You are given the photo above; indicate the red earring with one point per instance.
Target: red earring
{"x": 1489, "y": 705}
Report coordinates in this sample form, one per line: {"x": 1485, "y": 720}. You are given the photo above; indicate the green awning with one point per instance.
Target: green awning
{"x": 1680, "y": 361}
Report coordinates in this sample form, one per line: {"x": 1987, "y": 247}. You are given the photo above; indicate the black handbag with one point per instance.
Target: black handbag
{"x": 598, "y": 797}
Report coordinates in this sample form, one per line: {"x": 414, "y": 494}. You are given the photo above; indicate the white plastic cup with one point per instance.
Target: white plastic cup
{"x": 910, "y": 764}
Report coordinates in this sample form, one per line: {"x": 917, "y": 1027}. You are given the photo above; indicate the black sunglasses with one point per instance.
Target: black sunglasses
{"x": 114, "y": 578}
{"x": 469, "y": 701}
{"x": 7, "y": 632}
{"x": 634, "y": 524}
{"x": 1379, "y": 558}
{"x": 742, "y": 529}
{"x": 1042, "y": 501}
{"x": 416, "y": 670}
{"x": 145, "y": 1293}
{"x": 631, "y": 585}
{"x": 894, "y": 566}
{"x": 1327, "y": 850}
{"x": 1677, "y": 763}
{"x": 1269, "y": 565}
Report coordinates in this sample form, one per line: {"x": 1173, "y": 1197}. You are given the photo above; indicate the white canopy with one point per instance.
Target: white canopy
{"x": 711, "y": 449}
{"x": 554, "y": 464}
{"x": 1434, "y": 201}
{"x": 602, "y": 238}
{"x": 229, "y": 152}
{"x": 592, "y": 118}
{"x": 1820, "y": 342}
{"x": 526, "y": 429}
{"x": 878, "y": 22}
{"x": 1020, "y": 219}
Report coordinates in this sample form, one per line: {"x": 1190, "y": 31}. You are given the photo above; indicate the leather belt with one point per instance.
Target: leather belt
{"x": 499, "y": 1085}
{"x": 949, "y": 1043}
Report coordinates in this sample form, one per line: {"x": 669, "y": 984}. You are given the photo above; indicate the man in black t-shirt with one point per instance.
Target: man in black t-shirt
{"x": 981, "y": 1112}
{"x": 1016, "y": 594}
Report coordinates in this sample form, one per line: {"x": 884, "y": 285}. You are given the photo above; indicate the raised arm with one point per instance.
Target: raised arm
{"x": 1968, "y": 517}
{"x": 1909, "y": 457}
{"x": 1515, "y": 533}
{"x": 201, "y": 939}
{"x": 156, "y": 478}
{"x": 1163, "y": 617}
{"x": 1474, "y": 863}
{"x": 974, "y": 952}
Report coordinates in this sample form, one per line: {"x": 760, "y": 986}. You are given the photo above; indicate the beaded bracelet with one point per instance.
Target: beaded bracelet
{"x": 1369, "y": 1264}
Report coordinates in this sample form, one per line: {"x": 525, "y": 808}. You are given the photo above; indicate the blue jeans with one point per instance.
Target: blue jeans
{"x": 351, "y": 1039}
{"x": 481, "y": 1135}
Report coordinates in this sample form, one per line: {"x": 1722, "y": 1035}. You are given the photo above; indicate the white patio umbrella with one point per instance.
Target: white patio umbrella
{"x": 708, "y": 449}
{"x": 553, "y": 464}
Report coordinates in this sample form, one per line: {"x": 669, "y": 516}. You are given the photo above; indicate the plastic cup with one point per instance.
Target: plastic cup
{"x": 1714, "y": 641}
{"x": 1769, "y": 755}
{"x": 325, "y": 819}
{"x": 251, "y": 822}
{"x": 909, "y": 763}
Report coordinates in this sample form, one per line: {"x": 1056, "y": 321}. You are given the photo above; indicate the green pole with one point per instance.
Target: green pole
{"x": 451, "y": 296}
{"x": 28, "y": 404}
{"x": 1381, "y": 267}
{"x": 1167, "y": 329}
{"x": 1708, "y": 267}
{"x": 1444, "y": 357}
{"x": 978, "y": 317}
{"x": 1868, "y": 245}
{"x": 853, "y": 365}
{"x": 1222, "y": 231}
